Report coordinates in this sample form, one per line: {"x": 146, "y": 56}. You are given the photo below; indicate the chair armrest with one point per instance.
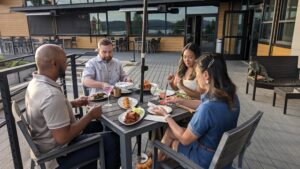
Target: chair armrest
{"x": 97, "y": 137}
{"x": 183, "y": 160}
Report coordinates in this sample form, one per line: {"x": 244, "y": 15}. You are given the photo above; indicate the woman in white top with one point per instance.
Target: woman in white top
{"x": 184, "y": 80}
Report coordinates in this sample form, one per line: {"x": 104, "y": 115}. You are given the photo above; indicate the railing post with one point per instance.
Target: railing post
{"x": 63, "y": 82}
{"x": 11, "y": 127}
{"x": 74, "y": 79}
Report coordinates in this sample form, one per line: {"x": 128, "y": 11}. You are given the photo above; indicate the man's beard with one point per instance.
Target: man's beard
{"x": 107, "y": 59}
{"x": 61, "y": 72}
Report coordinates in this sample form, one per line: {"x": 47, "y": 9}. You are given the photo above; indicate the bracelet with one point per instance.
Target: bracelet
{"x": 166, "y": 116}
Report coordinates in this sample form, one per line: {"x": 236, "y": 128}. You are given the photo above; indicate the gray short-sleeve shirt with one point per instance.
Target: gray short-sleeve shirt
{"x": 46, "y": 108}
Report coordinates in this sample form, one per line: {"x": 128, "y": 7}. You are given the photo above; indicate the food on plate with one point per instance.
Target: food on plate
{"x": 146, "y": 165}
{"x": 97, "y": 96}
{"x": 147, "y": 85}
{"x": 131, "y": 117}
{"x": 137, "y": 110}
{"x": 182, "y": 95}
{"x": 126, "y": 102}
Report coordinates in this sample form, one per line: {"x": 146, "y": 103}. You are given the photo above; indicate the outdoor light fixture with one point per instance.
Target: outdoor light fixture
{"x": 52, "y": 12}
{"x": 38, "y": 13}
{"x": 137, "y": 9}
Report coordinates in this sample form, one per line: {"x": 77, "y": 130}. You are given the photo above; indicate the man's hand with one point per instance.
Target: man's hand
{"x": 173, "y": 99}
{"x": 95, "y": 112}
{"x": 104, "y": 84}
{"x": 128, "y": 80}
{"x": 81, "y": 101}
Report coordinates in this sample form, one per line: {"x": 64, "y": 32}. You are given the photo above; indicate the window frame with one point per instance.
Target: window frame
{"x": 276, "y": 21}
{"x": 283, "y": 21}
{"x": 98, "y": 24}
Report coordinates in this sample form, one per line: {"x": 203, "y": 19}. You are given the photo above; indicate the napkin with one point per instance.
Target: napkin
{"x": 155, "y": 118}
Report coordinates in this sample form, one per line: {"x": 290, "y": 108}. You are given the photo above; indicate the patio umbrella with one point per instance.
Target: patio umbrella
{"x": 142, "y": 158}
{"x": 143, "y": 53}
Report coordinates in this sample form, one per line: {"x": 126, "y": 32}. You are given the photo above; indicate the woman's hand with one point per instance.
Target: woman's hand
{"x": 170, "y": 78}
{"x": 180, "y": 82}
{"x": 160, "y": 111}
{"x": 173, "y": 99}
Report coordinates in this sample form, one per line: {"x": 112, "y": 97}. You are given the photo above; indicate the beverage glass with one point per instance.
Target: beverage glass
{"x": 107, "y": 90}
{"x": 117, "y": 92}
{"x": 162, "y": 94}
{"x": 154, "y": 90}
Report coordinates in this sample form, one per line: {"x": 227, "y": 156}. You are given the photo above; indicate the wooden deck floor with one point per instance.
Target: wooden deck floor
{"x": 275, "y": 144}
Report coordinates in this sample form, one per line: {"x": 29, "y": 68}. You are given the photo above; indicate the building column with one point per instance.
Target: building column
{"x": 296, "y": 36}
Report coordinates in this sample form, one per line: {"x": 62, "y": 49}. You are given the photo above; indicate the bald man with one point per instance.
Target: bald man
{"x": 51, "y": 118}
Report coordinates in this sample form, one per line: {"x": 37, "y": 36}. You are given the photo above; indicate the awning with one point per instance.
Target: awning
{"x": 114, "y": 5}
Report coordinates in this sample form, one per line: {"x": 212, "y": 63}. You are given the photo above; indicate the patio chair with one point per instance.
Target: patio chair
{"x": 233, "y": 143}
{"x": 41, "y": 158}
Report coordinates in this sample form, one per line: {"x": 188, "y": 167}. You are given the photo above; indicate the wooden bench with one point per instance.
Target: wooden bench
{"x": 283, "y": 69}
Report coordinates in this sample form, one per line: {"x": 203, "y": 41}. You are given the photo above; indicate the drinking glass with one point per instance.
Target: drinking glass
{"x": 107, "y": 90}
{"x": 154, "y": 90}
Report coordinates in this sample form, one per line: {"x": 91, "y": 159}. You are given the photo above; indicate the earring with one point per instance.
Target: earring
{"x": 206, "y": 82}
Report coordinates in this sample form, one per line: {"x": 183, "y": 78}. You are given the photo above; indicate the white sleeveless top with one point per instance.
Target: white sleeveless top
{"x": 191, "y": 84}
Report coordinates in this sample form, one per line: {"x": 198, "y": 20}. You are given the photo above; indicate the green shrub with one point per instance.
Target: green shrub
{"x": 11, "y": 63}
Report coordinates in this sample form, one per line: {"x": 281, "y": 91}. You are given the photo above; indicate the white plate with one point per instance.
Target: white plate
{"x": 167, "y": 108}
{"x": 121, "y": 117}
{"x": 133, "y": 102}
{"x": 170, "y": 92}
{"x": 124, "y": 85}
{"x": 97, "y": 100}
{"x": 138, "y": 87}
{"x": 126, "y": 91}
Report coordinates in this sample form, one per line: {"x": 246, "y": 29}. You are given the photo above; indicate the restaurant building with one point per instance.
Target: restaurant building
{"x": 237, "y": 28}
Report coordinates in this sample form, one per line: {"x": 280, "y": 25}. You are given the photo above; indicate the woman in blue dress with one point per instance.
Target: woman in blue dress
{"x": 217, "y": 113}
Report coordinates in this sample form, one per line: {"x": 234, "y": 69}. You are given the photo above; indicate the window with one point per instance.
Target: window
{"x": 79, "y": 1}
{"x": 136, "y": 21}
{"x": 287, "y": 21}
{"x": 71, "y": 24}
{"x": 41, "y": 25}
{"x": 175, "y": 22}
{"x": 62, "y": 2}
{"x": 116, "y": 23}
{"x": 156, "y": 24}
{"x": 38, "y": 2}
{"x": 98, "y": 23}
{"x": 202, "y": 10}
{"x": 266, "y": 26}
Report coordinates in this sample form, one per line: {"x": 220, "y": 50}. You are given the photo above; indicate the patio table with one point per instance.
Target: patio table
{"x": 109, "y": 118}
{"x": 287, "y": 93}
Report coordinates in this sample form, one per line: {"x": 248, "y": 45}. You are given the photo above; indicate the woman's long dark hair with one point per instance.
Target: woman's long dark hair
{"x": 182, "y": 67}
{"x": 220, "y": 84}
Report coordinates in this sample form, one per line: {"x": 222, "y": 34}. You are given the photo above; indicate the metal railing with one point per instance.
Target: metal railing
{"x": 6, "y": 100}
